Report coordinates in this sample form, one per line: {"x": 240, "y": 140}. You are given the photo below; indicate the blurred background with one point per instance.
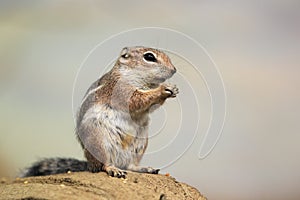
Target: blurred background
{"x": 255, "y": 43}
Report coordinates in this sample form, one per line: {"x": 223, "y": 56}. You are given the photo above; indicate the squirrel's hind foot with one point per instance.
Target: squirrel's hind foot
{"x": 115, "y": 172}
{"x": 140, "y": 169}
{"x": 149, "y": 170}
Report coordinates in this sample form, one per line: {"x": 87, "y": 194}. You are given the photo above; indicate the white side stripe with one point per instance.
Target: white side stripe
{"x": 89, "y": 93}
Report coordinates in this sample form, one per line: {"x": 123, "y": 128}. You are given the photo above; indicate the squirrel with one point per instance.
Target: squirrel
{"x": 113, "y": 119}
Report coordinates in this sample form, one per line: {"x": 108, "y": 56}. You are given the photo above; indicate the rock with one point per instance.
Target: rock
{"x": 85, "y": 185}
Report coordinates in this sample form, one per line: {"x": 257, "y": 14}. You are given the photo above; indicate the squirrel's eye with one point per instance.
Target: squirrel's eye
{"x": 149, "y": 57}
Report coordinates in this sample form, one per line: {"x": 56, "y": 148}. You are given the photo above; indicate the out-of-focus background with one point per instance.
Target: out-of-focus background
{"x": 255, "y": 44}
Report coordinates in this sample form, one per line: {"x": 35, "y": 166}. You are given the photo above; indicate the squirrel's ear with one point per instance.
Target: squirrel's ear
{"x": 125, "y": 52}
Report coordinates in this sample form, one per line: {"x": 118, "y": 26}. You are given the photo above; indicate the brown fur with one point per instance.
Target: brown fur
{"x": 112, "y": 124}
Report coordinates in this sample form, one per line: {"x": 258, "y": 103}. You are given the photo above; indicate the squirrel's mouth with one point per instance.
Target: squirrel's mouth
{"x": 160, "y": 80}
{"x": 163, "y": 79}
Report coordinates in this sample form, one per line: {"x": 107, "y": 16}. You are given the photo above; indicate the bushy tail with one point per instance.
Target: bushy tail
{"x": 50, "y": 166}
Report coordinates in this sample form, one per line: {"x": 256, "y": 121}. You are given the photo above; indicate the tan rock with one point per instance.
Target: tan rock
{"x": 85, "y": 185}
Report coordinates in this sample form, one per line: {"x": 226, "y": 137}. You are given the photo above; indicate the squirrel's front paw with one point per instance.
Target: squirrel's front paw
{"x": 170, "y": 90}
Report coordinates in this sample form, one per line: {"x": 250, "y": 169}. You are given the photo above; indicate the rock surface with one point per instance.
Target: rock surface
{"x": 85, "y": 185}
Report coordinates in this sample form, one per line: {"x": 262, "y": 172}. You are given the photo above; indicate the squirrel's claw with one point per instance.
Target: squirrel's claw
{"x": 171, "y": 90}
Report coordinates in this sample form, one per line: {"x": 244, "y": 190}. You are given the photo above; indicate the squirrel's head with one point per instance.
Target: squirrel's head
{"x": 144, "y": 64}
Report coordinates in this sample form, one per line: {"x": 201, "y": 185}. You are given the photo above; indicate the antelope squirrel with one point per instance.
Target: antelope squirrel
{"x": 112, "y": 122}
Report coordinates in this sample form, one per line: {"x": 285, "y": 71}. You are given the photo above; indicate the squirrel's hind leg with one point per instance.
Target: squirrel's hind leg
{"x": 95, "y": 166}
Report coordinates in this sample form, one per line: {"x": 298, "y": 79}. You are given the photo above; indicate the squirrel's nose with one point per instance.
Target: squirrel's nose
{"x": 174, "y": 70}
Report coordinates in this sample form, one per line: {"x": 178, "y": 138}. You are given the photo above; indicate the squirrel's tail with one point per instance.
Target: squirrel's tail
{"x": 50, "y": 166}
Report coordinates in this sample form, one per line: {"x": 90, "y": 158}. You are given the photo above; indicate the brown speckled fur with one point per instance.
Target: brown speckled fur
{"x": 133, "y": 86}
